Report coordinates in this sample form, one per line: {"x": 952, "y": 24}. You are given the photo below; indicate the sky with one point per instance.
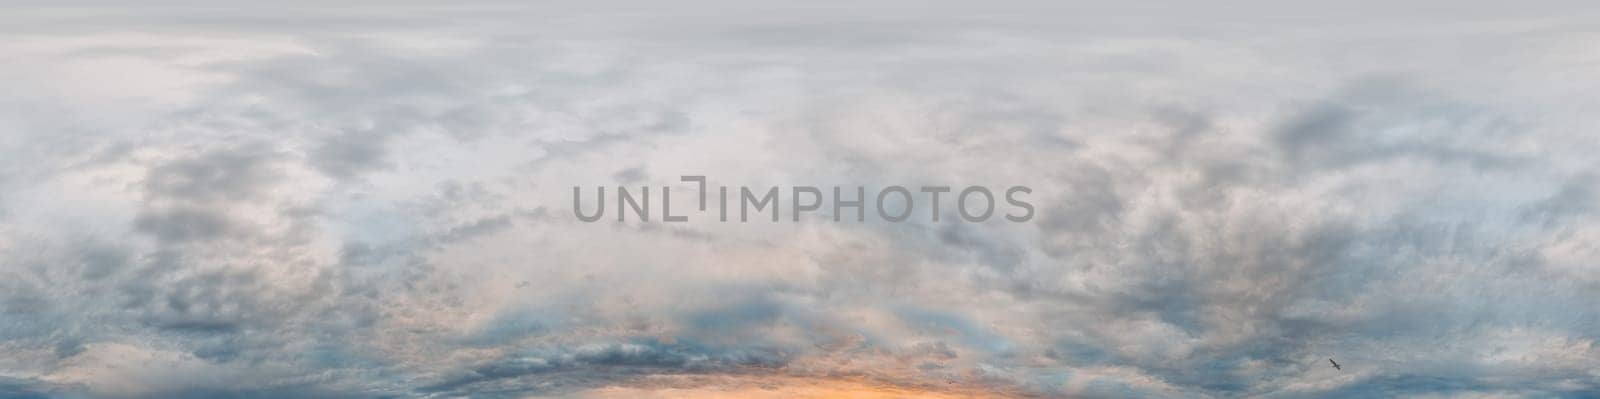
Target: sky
{"x": 374, "y": 200}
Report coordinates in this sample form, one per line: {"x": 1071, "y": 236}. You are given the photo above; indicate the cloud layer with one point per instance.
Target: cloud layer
{"x": 376, "y": 201}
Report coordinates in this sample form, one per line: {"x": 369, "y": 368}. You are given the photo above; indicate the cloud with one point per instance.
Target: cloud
{"x": 374, "y": 202}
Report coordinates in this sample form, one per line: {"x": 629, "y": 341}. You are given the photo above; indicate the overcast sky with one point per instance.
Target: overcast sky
{"x": 203, "y": 201}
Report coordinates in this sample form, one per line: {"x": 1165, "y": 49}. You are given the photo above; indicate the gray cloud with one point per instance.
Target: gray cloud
{"x": 372, "y": 202}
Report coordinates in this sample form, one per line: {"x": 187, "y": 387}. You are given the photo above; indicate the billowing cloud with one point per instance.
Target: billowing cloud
{"x": 377, "y": 201}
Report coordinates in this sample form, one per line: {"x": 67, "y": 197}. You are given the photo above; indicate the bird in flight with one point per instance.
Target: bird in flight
{"x": 1335, "y": 364}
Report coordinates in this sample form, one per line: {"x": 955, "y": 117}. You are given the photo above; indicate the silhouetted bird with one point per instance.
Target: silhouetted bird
{"x": 1335, "y": 364}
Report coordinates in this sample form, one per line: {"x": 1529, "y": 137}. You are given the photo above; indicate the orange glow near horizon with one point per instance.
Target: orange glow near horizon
{"x": 784, "y": 388}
